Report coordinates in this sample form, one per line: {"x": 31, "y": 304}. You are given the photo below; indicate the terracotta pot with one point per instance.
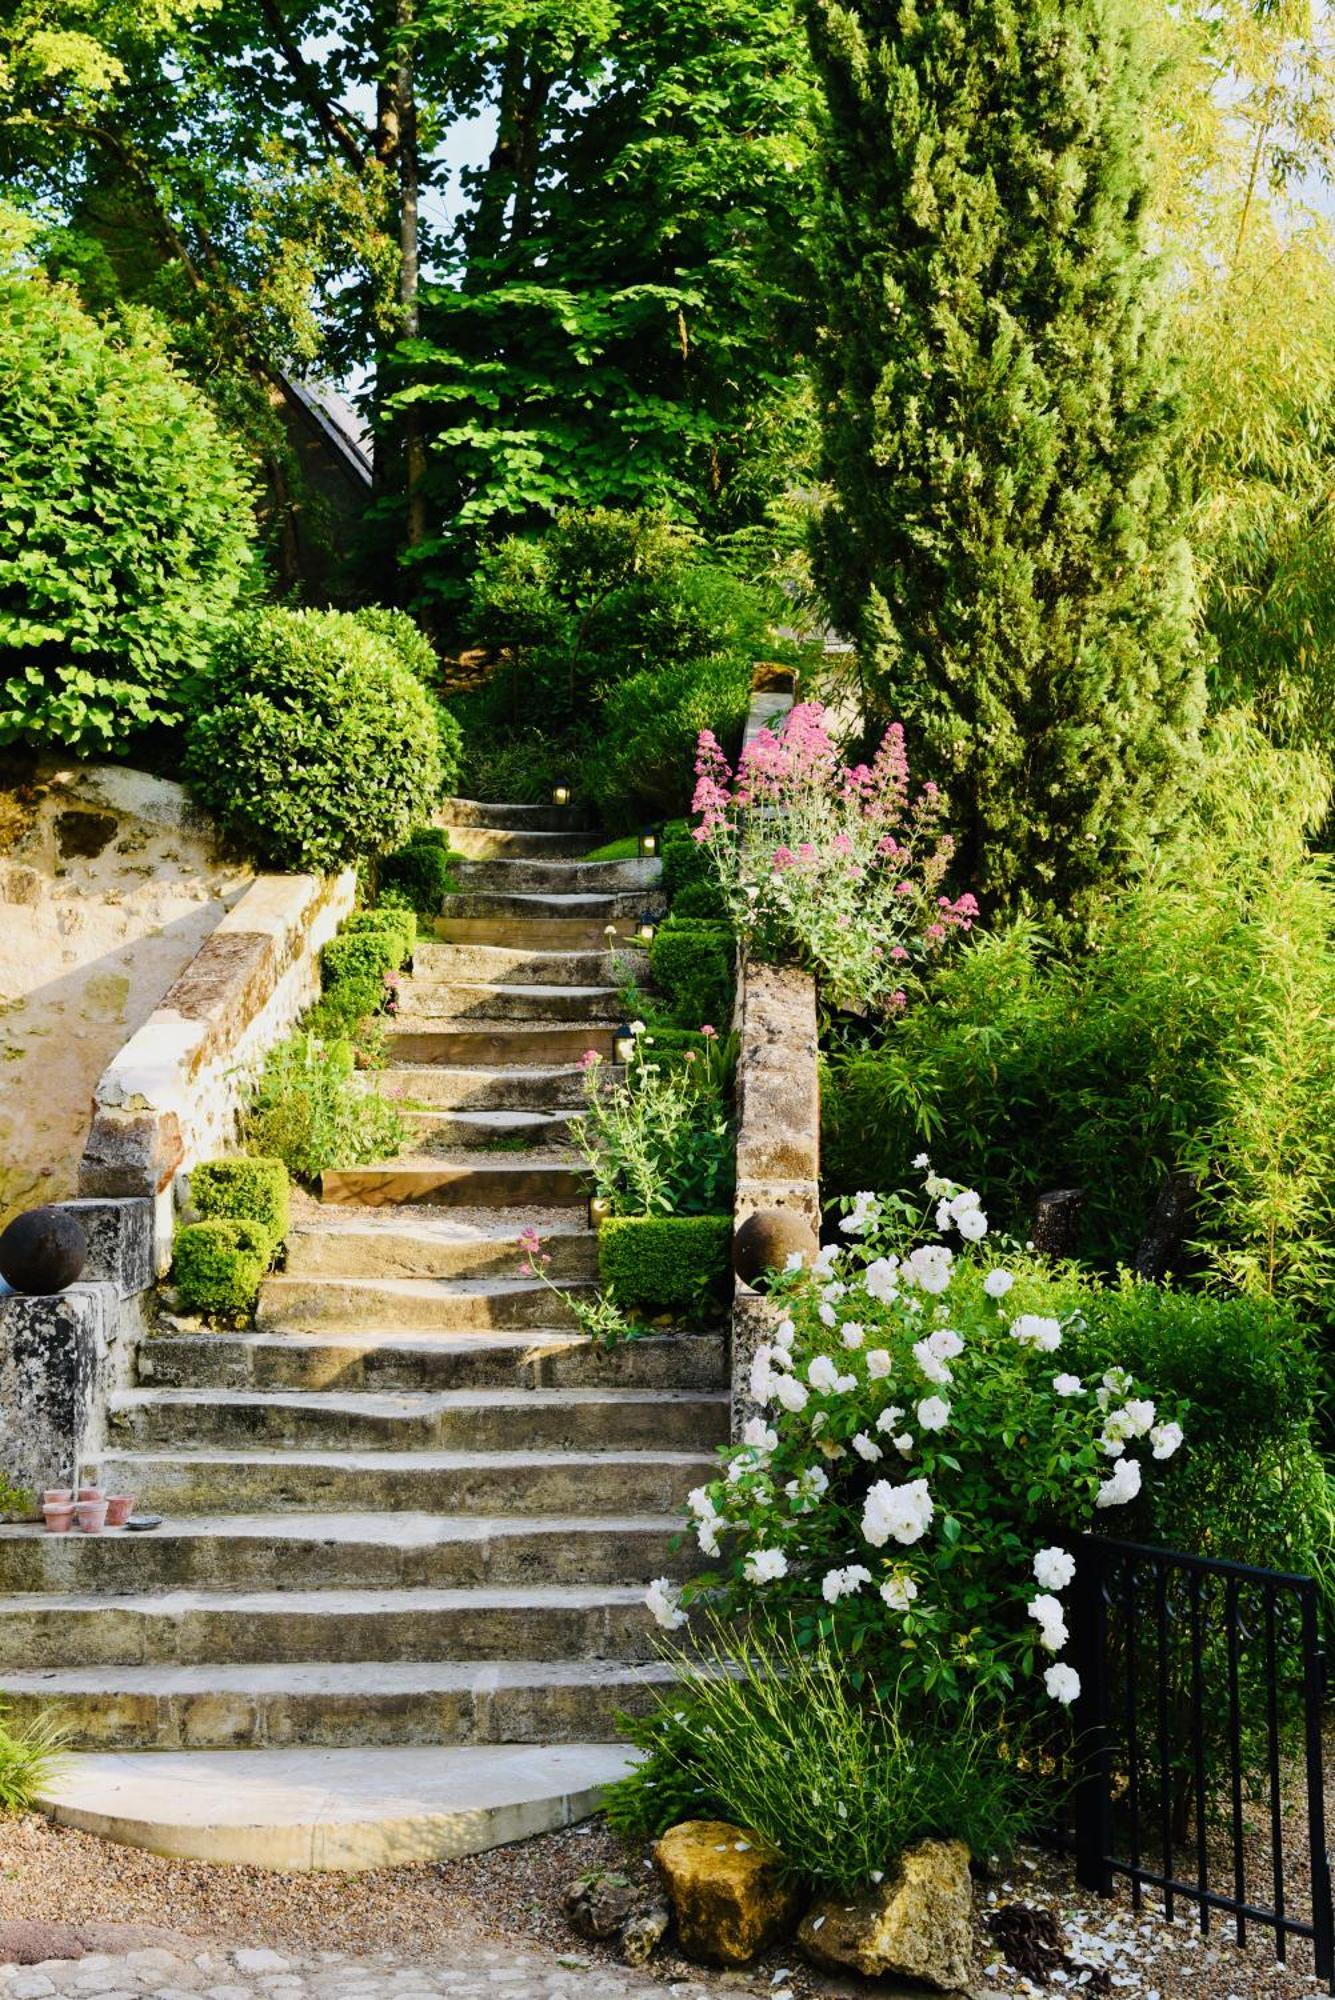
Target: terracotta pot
{"x": 91, "y": 1516}
{"x": 59, "y": 1520}
{"x": 58, "y": 1496}
{"x": 120, "y": 1506}
{"x": 91, "y": 1493}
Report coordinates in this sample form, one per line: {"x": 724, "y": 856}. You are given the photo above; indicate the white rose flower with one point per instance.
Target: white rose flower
{"x": 706, "y": 1534}
{"x": 1122, "y": 1487}
{"x": 1067, "y": 1385}
{"x": 826, "y": 1259}
{"x": 1033, "y": 1330}
{"x": 944, "y": 1218}
{"x": 852, "y": 1333}
{"x": 1052, "y": 1623}
{"x": 822, "y": 1374}
{"x": 794, "y": 1261}
{"x": 765, "y": 1566}
{"x": 933, "y": 1413}
{"x": 878, "y": 1363}
{"x": 1062, "y": 1683}
{"x": 1166, "y": 1438}
{"x": 881, "y": 1280}
{"x": 833, "y": 1292}
{"x": 929, "y": 1267}
{"x": 1139, "y": 1416}
{"x": 784, "y": 1334}
{"x": 791, "y": 1393}
{"x": 945, "y": 1343}
{"x": 762, "y": 1376}
{"x": 700, "y": 1501}
{"x": 844, "y": 1383}
{"x": 826, "y": 1314}
{"x": 867, "y": 1448}
{"x": 964, "y": 1202}
{"x": 806, "y": 1491}
{"x": 898, "y": 1592}
{"x": 1111, "y": 1445}
{"x": 847, "y": 1582}
{"x": 904, "y": 1444}
{"x": 902, "y": 1513}
{"x": 920, "y": 1160}
{"x": 1053, "y": 1568}
{"x": 758, "y": 1434}
{"x": 935, "y": 1370}
{"x": 889, "y": 1417}
{"x": 664, "y": 1601}
{"x": 997, "y": 1283}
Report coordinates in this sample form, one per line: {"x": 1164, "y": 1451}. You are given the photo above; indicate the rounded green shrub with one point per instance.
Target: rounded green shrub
{"x": 419, "y": 656}
{"x": 650, "y": 723}
{"x": 315, "y": 744}
{"x": 395, "y": 923}
{"x": 127, "y": 525}
{"x": 420, "y": 871}
{"x": 243, "y": 1188}
{"x": 219, "y": 1266}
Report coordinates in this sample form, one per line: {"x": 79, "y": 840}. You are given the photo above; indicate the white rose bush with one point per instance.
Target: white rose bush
{"x": 921, "y": 1463}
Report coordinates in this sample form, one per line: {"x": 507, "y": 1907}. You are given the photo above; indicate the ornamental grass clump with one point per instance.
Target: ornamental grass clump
{"x": 922, "y": 1459}
{"x": 834, "y": 867}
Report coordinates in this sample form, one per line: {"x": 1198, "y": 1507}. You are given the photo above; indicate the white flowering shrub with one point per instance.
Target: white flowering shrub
{"x": 922, "y": 1460}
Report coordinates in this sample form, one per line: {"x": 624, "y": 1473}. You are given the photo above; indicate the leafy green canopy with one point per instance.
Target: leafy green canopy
{"x": 1004, "y": 537}
{"x": 126, "y": 524}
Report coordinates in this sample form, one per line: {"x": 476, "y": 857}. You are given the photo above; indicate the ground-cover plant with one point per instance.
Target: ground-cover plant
{"x": 658, "y": 1139}
{"x": 921, "y": 1457}
{"x": 833, "y": 867}
{"x": 314, "y": 744}
{"x": 128, "y": 525}
{"x": 774, "y": 1735}
{"x": 314, "y": 1108}
{"x": 31, "y": 1754}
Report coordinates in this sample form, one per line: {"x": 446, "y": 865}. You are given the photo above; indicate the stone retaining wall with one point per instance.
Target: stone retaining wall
{"x": 778, "y": 1103}
{"x": 172, "y": 1095}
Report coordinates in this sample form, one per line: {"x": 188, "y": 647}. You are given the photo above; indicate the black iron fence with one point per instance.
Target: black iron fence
{"x": 1199, "y": 1720}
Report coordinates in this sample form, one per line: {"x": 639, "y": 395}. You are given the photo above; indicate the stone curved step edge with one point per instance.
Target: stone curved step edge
{"x": 315, "y": 1809}
{"x": 336, "y": 1600}
{"x": 342, "y": 1680}
{"x": 414, "y": 1461}
{"x": 409, "y": 1402}
{"x": 362, "y": 1527}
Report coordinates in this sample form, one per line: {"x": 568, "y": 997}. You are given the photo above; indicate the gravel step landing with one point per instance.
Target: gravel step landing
{"x": 407, "y": 1305}
{"x": 222, "y": 1706}
{"x": 332, "y": 1809}
{"x": 354, "y": 1550}
{"x": 448, "y": 1482}
{"x": 523, "y": 1181}
{"x": 203, "y": 1627}
{"x": 368, "y": 1361}
{"x": 466, "y": 1420}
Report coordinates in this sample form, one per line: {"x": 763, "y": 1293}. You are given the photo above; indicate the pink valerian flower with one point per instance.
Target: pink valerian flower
{"x": 590, "y": 1059}
{"x": 535, "y": 1257}
{"x": 709, "y": 1031}
{"x": 842, "y": 844}
{"x": 783, "y": 858}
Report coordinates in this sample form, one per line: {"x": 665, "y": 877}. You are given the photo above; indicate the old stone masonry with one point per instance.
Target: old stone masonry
{"x": 396, "y": 1601}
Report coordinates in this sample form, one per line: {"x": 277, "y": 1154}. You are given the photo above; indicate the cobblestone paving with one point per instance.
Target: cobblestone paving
{"x": 477, "y": 1973}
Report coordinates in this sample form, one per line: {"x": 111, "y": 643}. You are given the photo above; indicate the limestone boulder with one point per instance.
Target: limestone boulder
{"x": 728, "y": 1890}
{"x": 916, "y": 1925}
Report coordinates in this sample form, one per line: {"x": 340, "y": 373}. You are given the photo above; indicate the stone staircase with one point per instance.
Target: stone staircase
{"x": 413, "y": 1509}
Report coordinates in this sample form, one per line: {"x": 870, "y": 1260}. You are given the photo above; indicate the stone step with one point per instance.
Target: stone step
{"x": 555, "y": 878}
{"x": 583, "y": 906}
{"x": 427, "y": 1244}
{"x": 350, "y": 1551}
{"x": 439, "y": 1087}
{"x": 508, "y": 812}
{"x": 475, "y": 1045}
{"x": 453, "y": 1420}
{"x": 429, "y": 1362}
{"x": 466, "y": 1000}
{"x": 528, "y": 934}
{"x": 445, "y": 964}
{"x": 462, "y": 1181}
{"x": 497, "y": 843}
{"x": 195, "y": 1628}
{"x": 343, "y": 1706}
{"x": 448, "y": 1482}
{"x": 406, "y": 1305}
{"x": 331, "y": 1809}
{"x": 487, "y": 1131}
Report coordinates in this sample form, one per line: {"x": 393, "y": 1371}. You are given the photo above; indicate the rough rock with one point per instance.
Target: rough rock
{"x": 645, "y": 1928}
{"x": 29, "y": 1942}
{"x": 598, "y": 1905}
{"x": 728, "y": 1891}
{"x": 917, "y": 1924}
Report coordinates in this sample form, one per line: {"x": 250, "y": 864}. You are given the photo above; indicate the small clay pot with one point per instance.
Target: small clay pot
{"x": 58, "y": 1496}
{"x": 120, "y": 1506}
{"x": 91, "y": 1516}
{"x": 59, "y": 1520}
{"x": 91, "y": 1493}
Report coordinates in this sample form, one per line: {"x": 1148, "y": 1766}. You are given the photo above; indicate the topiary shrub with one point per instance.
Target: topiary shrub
{"x": 419, "y": 656}
{"x": 689, "y": 875}
{"x": 219, "y": 1266}
{"x": 127, "y": 525}
{"x": 396, "y": 923}
{"x": 420, "y": 871}
{"x": 316, "y": 745}
{"x": 665, "y": 1263}
{"x": 243, "y": 1188}
{"x": 694, "y": 968}
{"x": 646, "y": 757}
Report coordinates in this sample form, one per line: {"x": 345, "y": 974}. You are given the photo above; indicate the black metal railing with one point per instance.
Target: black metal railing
{"x": 1199, "y": 1725}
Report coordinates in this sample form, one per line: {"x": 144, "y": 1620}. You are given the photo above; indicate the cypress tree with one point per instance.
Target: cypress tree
{"x": 1004, "y": 535}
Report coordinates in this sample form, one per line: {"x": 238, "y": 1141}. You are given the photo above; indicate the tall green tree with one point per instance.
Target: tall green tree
{"x": 1005, "y": 538}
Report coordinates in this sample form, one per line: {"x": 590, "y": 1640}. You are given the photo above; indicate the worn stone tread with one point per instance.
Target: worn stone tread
{"x": 352, "y": 1681}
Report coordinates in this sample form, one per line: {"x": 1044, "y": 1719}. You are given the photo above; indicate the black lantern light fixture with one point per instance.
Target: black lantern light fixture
{"x": 623, "y": 1045}
{"x": 648, "y": 843}
{"x": 646, "y": 927}
{"x": 600, "y": 1208}
{"x": 560, "y": 794}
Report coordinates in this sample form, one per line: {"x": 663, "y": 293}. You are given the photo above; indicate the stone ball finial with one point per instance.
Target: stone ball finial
{"x": 767, "y": 1239}
{"x": 43, "y": 1251}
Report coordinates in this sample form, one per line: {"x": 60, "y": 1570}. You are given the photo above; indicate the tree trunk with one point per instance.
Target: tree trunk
{"x": 414, "y": 449}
